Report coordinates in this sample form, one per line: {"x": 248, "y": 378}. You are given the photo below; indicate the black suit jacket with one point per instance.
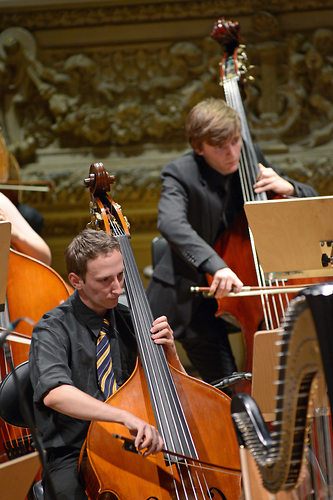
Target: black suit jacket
{"x": 196, "y": 204}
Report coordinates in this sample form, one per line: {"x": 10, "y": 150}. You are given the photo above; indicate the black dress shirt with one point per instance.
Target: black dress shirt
{"x": 63, "y": 351}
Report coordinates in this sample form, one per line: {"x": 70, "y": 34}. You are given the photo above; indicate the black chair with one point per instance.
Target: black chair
{"x": 10, "y": 406}
{"x": 38, "y": 491}
{"x": 158, "y": 246}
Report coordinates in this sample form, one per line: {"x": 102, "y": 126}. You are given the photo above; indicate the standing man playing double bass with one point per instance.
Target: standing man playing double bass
{"x": 201, "y": 196}
{"x": 64, "y": 362}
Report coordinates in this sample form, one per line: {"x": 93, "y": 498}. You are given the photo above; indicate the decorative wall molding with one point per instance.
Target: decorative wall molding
{"x": 74, "y": 91}
{"x": 113, "y": 80}
{"x": 46, "y": 16}
{"x": 109, "y": 97}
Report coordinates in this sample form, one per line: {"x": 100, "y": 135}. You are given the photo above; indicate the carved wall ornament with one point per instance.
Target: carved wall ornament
{"x": 113, "y": 97}
{"x": 121, "y": 96}
{"x": 101, "y": 97}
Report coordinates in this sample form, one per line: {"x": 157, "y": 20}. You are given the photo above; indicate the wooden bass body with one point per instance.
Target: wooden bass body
{"x": 114, "y": 472}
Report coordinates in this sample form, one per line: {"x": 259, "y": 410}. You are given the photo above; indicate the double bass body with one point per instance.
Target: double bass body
{"x": 33, "y": 288}
{"x": 108, "y": 467}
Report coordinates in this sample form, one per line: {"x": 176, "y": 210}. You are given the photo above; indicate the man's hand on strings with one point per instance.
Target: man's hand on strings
{"x": 162, "y": 333}
{"x": 269, "y": 180}
{"x": 224, "y": 281}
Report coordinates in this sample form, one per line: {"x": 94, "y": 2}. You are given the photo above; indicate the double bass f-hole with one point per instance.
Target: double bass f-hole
{"x": 201, "y": 459}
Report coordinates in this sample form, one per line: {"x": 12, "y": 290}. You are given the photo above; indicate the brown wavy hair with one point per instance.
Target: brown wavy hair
{"x": 212, "y": 121}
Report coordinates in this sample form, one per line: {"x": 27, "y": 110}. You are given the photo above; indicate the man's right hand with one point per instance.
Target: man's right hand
{"x": 224, "y": 281}
{"x": 146, "y": 437}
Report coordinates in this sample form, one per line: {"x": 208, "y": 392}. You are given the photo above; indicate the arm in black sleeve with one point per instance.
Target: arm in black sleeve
{"x": 174, "y": 218}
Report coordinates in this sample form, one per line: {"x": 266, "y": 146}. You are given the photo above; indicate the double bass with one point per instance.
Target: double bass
{"x": 32, "y": 289}
{"x": 236, "y": 245}
{"x": 200, "y": 458}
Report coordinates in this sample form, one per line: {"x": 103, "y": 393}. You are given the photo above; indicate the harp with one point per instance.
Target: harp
{"x": 295, "y": 454}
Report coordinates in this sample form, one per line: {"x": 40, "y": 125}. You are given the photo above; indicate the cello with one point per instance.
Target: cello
{"x": 200, "y": 459}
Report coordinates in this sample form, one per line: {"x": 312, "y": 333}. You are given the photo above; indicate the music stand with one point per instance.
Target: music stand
{"x": 291, "y": 236}
{"x": 17, "y": 476}
{"x": 5, "y": 231}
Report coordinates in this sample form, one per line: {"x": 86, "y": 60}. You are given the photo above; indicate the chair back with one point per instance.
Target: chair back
{"x": 10, "y": 404}
{"x": 158, "y": 248}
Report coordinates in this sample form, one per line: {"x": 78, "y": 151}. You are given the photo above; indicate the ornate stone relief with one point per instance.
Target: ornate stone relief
{"x": 119, "y": 99}
{"x": 291, "y": 98}
{"x": 101, "y": 97}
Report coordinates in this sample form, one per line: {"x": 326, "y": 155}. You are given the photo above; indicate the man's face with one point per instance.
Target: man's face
{"x": 103, "y": 282}
{"x": 225, "y": 158}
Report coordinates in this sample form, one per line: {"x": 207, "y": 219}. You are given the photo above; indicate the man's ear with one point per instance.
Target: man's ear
{"x": 75, "y": 281}
{"x": 198, "y": 151}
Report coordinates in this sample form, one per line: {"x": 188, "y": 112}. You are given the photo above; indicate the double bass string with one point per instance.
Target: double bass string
{"x": 273, "y": 308}
{"x": 247, "y": 175}
{"x": 249, "y": 171}
{"x": 153, "y": 356}
{"x": 145, "y": 326}
{"x": 168, "y": 410}
{"x": 143, "y": 320}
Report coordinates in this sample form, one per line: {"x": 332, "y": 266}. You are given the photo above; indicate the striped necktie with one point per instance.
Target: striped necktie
{"x": 105, "y": 371}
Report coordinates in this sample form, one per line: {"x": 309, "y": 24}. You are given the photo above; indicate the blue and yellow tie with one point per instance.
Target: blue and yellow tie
{"x": 105, "y": 371}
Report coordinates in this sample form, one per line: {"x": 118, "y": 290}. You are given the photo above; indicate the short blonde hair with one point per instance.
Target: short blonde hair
{"x": 212, "y": 121}
{"x": 88, "y": 245}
